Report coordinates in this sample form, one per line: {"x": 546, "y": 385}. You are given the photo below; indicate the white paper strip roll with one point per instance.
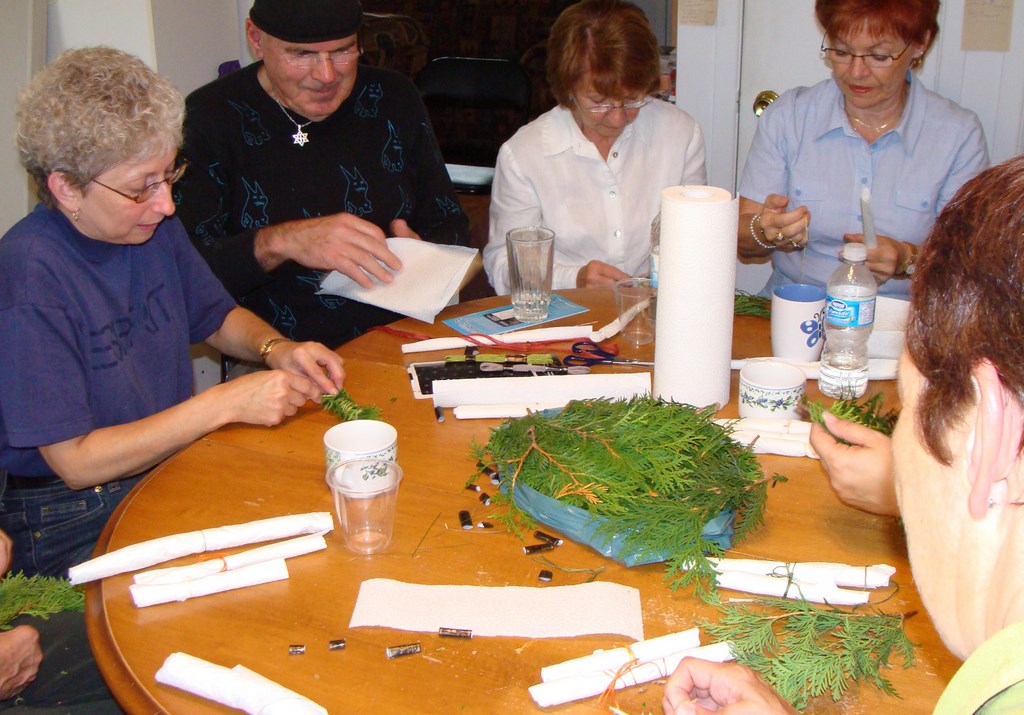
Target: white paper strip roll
{"x": 614, "y": 658}
{"x": 696, "y": 284}
{"x": 551, "y": 389}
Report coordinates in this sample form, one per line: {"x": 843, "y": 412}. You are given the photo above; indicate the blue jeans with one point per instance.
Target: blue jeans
{"x": 56, "y": 527}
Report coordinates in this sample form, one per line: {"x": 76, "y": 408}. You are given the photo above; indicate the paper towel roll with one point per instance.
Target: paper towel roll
{"x": 696, "y": 285}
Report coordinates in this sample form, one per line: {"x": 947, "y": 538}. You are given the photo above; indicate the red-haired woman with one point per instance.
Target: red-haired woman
{"x": 592, "y": 169}
{"x": 872, "y": 125}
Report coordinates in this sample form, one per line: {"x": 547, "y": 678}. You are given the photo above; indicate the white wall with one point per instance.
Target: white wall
{"x": 23, "y": 37}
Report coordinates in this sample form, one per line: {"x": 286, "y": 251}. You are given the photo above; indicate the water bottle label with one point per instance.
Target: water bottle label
{"x": 654, "y": 268}
{"x": 850, "y": 312}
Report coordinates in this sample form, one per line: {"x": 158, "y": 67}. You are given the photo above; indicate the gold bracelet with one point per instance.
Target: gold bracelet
{"x": 267, "y": 346}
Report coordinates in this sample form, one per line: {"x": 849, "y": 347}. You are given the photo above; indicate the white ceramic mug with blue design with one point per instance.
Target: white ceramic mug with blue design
{"x": 798, "y": 310}
{"x": 771, "y": 390}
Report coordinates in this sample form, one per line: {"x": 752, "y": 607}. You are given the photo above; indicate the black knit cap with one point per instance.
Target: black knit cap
{"x": 307, "y": 21}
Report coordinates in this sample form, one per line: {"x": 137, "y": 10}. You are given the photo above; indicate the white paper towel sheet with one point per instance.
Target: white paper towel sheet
{"x": 551, "y": 612}
{"x": 696, "y": 288}
{"x": 430, "y": 275}
{"x": 236, "y": 687}
{"x": 531, "y": 335}
{"x": 547, "y": 389}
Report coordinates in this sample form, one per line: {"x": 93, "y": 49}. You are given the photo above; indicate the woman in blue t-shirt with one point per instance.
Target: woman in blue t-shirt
{"x": 101, "y": 294}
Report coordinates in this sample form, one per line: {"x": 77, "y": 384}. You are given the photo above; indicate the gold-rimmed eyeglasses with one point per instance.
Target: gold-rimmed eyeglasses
{"x": 308, "y": 59}
{"x": 604, "y": 108}
{"x": 874, "y": 60}
{"x": 149, "y": 190}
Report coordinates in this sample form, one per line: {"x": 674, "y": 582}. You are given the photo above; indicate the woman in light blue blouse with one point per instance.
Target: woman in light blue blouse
{"x": 872, "y": 125}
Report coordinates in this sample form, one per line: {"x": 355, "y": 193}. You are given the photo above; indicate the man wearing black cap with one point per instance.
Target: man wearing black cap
{"x": 303, "y": 163}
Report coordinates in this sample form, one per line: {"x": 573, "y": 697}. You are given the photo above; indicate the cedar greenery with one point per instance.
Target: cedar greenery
{"x": 868, "y": 413}
{"x": 348, "y": 409}
{"x": 747, "y": 304}
{"x": 653, "y": 470}
{"x": 804, "y": 651}
{"x": 40, "y": 596}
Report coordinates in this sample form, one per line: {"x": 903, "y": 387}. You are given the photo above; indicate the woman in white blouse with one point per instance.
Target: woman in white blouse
{"x": 592, "y": 169}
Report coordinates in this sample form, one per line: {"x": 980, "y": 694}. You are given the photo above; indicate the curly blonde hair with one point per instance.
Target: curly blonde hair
{"x": 91, "y": 109}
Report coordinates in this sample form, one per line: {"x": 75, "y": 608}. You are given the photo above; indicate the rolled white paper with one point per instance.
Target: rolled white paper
{"x": 784, "y": 445}
{"x": 533, "y": 335}
{"x": 876, "y": 576}
{"x": 281, "y": 550}
{"x": 553, "y": 389}
{"x": 767, "y": 425}
{"x": 236, "y": 687}
{"x": 565, "y": 690}
{"x": 483, "y": 412}
{"x": 152, "y": 594}
{"x": 614, "y": 658}
{"x": 782, "y": 587}
{"x": 878, "y": 368}
{"x": 696, "y": 288}
{"x": 165, "y": 548}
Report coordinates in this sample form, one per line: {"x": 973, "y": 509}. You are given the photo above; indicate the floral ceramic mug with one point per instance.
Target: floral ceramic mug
{"x": 771, "y": 389}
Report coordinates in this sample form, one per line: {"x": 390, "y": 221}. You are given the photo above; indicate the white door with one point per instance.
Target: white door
{"x": 781, "y": 40}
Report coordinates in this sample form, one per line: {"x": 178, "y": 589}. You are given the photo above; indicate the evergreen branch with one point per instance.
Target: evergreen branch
{"x": 348, "y": 409}
{"x": 653, "y": 473}
{"x": 804, "y": 651}
{"x": 747, "y": 304}
{"x": 39, "y": 596}
{"x": 868, "y": 413}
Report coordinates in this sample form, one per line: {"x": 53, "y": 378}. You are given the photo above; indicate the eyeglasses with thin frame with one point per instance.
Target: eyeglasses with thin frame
{"x": 308, "y": 59}
{"x": 149, "y": 190}
{"x": 605, "y": 108}
{"x": 874, "y": 60}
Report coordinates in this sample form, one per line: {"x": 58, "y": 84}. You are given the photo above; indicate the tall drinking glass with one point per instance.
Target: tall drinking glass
{"x": 531, "y": 253}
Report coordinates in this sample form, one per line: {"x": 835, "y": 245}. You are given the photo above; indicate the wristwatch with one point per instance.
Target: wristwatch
{"x": 908, "y": 265}
{"x": 267, "y": 346}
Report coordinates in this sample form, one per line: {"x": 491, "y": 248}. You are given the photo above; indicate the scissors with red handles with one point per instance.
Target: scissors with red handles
{"x": 587, "y": 352}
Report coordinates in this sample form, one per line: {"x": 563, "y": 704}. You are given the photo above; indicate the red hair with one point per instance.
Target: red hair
{"x": 913, "y": 21}
{"x": 967, "y": 300}
{"x": 606, "y": 43}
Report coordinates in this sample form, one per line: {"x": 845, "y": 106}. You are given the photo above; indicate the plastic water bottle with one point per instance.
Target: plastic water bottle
{"x": 849, "y": 316}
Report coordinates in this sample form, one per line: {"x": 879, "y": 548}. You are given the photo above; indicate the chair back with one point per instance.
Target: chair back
{"x": 475, "y": 105}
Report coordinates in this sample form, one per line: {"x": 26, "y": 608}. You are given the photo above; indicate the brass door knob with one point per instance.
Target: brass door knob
{"x": 763, "y": 99}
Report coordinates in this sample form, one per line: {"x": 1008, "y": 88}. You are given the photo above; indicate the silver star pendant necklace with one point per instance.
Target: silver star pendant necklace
{"x": 299, "y": 137}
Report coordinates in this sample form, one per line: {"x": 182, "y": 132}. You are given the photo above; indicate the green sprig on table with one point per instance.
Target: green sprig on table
{"x": 39, "y": 596}
{"x": 347, "y": 409}
{"x": 868, "y": 413}
{"x": 653, "y": 471}
{"x": 805, "y": 651}
{"x": 747, "y": 304}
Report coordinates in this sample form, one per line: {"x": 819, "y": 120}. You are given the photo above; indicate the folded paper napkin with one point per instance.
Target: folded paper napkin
{"x": 152, "y": 594}
{"x": 786, "y": 437}
{"x": 890, "y": 329}
{"x": 819, "y": 582}
{"x": 430, "y": 275}
{"x": 878, "y": 368}
{"x": 586, "y": 685}
{"x": 236, "y": 687}
{"x": 154, "y": 551}
{"x": 281, "y": 550}
{"x": 519, "y": 611}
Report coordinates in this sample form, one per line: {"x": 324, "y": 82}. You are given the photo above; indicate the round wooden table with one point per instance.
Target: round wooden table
{"x": 243, "y": 473}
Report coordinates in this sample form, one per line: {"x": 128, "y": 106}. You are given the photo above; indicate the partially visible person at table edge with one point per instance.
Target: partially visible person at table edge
{"x": 304, "y": 162}
{"x": 873, "y": 125}
{"x": 46, "y": 665}
{"x": 958, "y": 458}
{"x": 592, "y": 169}
{"x": 101, "y": 294}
